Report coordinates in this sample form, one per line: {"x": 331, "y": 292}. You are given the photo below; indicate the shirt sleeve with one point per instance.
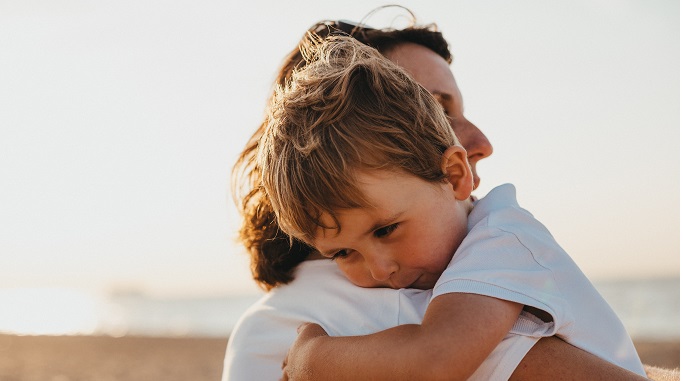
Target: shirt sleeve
{"x": 494, "y": 262}
{"x": 505, "y": 358}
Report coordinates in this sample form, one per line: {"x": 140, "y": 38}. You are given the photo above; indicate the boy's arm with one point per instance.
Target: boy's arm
{"x": 458, "y": 332}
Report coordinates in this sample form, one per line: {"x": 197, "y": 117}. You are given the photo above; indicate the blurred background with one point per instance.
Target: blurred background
{"x": 120, "y": 122}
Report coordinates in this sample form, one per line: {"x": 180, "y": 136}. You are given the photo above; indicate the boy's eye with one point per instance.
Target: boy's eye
{"x": 340, "y": 254}
{"x": 385, "y": 231}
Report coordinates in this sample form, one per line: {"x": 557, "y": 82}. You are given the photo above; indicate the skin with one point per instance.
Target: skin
{"x": 540, "y": 363}
{"x": 457, "y": 333}
{"x": 399, "y": 242}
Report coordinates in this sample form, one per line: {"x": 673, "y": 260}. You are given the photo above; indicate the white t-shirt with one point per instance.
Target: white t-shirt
{"x": 509, "y": 255}
{"x": 320, "y": 293}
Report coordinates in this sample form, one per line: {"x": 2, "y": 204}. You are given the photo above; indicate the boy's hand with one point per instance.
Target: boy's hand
{"x": 295, "y": 367}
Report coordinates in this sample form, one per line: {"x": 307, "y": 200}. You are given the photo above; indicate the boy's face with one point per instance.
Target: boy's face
{"x": 405, "y": 240}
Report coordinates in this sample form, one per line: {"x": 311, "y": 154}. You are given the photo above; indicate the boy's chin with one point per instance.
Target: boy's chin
{"x": 423, "y": 282}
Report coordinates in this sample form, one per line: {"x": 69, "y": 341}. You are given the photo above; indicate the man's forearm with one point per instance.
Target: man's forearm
{"x": 554, "y": 359}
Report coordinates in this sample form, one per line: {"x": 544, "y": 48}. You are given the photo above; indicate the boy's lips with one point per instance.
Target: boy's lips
{"x": 403, "y": 283}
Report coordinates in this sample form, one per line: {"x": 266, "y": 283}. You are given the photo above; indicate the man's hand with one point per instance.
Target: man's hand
{"x": 295, "y": 366}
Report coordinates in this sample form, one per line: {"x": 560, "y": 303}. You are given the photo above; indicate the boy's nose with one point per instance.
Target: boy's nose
{"x": 381, "y": 268}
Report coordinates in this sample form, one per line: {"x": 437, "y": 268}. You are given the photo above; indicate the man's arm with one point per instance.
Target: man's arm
{"x": 458, "y": 332}
{"x": 554, "y": 359}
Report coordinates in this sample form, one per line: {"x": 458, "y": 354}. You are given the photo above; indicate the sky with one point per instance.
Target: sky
{"x": 120, "y": 122}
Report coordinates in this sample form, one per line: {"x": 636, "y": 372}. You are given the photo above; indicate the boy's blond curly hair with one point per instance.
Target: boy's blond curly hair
{"x": 348, "y": 109}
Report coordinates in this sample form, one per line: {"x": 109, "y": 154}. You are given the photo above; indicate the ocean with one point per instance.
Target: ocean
{"x": 650, "y": 309}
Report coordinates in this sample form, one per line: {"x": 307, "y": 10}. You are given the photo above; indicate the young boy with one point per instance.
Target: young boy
{"x": 359, "y": 162}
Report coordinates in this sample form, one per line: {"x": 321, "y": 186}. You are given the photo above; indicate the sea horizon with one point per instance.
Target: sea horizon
{"x": 648, "y": 308}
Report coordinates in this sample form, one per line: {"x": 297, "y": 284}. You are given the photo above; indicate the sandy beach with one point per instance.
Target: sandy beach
{"x": 80, "y": 358}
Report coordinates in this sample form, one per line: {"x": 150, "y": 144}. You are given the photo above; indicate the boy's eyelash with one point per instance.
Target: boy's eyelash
{"x": 385, "y": 231}
{"x": 340, "y": 254}
{"x": 379, "y": 233}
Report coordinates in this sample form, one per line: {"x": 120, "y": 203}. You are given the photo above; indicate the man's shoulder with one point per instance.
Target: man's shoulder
{"x": 500, "y": 211}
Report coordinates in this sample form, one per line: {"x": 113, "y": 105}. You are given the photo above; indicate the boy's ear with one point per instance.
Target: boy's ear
{"x": 457, "y": 169}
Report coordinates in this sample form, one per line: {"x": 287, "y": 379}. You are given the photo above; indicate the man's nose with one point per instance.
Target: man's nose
{"x": 475, "y": 142}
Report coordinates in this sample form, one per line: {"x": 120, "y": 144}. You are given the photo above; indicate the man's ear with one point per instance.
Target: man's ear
{"x": 457, "y": 169}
